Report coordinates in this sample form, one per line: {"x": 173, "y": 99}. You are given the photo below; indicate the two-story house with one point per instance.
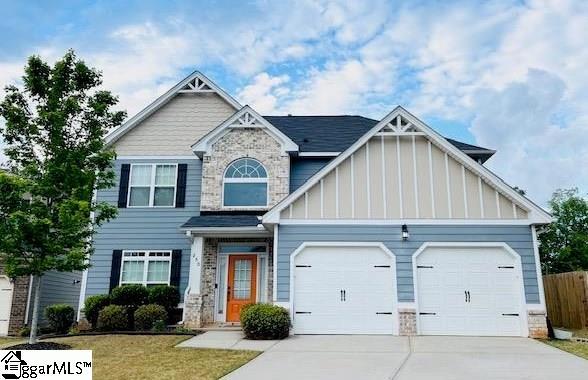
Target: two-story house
{"x": 355, "y": 225}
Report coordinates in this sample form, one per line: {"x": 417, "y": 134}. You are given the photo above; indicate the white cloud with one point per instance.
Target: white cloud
{"x": 262, "y": 94}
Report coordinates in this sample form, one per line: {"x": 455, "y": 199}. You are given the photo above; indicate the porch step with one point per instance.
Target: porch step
{"x": 221, "y": 326}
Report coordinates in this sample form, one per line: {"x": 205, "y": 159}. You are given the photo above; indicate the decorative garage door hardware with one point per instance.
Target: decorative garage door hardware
{"x": 510, "y": 314}
{"x": 304, "y": 312}
{"x": 424, "y": 266}
{"x": 303, "y": 266}
{"x": 506, "y": 267}
{"x": 343, "y": 295}
{"x": 381, "y": 266}
{"x": 384, "y": 312}
{"x": 427, "y": 313}
{"x": 468, "y": 297}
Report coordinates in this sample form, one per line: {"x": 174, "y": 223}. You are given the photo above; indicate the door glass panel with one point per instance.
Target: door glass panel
{"x": 222, "y": 284}
{"x": 242, "y": 286}
{"x": 262, "y": 279}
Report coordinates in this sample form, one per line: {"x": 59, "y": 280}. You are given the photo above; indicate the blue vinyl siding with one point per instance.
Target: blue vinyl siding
{"x": 301, "y": 169}
{"x": 519, "y": 238}
{"x": 144, "y": 228}
{"x": 58, "y": 287}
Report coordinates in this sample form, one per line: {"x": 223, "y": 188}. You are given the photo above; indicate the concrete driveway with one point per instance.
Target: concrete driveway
{"x": 428, "y": 357}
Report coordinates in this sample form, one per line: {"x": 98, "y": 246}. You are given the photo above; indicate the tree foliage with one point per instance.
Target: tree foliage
{"x": 54, "y": 132}
{"x": 564, "y": 243}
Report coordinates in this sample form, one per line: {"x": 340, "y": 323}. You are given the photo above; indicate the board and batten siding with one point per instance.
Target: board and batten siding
{"x": 402, "y": 177}
{"x": 171, "y": 130}
{"x": 144, "y": 228}
{"x": 301, "y": 169}
{"x": 519, "y": 238}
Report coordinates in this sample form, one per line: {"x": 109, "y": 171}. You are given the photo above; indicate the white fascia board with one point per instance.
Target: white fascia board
{"x": 413, "y": 222}
{"x": 203, "y": 145}
{"x": 117, "y": 133}
{"x": 536, "y": 214}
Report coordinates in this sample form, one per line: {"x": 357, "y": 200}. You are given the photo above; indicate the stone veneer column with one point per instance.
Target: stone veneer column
{"x": 537, "y": 321}
{"x": 407, "y": 321}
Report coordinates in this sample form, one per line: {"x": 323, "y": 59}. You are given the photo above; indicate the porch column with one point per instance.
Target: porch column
{"x": 192, "y": 296}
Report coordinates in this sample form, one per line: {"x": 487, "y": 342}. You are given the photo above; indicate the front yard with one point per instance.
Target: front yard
{"x": 577, "y": 348}
{"x": 128, "y": 357}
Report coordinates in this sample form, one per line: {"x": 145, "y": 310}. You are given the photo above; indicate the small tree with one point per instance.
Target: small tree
{"x": 564, "y": 243}
{"x": 54, "y": 133}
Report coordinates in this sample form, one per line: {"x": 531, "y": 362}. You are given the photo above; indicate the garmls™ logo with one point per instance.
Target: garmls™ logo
{"x": 50, "y": 364}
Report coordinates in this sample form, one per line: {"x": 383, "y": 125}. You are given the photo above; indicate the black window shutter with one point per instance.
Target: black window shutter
{"x": 181, "y": 185}
{"x": 176, "y": 264}
{"x": 123, "y": 189}
{"x": 115, "y": 268}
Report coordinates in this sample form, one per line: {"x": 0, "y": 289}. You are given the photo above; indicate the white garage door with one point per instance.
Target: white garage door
{"x": 344, "y": 290}
{"x": 5, "y": 304}
{"x": 469, "y": 291}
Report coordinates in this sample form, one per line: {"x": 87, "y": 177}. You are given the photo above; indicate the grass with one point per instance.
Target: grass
{"x": 155, "y": 357}
{"x": 9, "y": 341}
{"x": 576, "y": 348}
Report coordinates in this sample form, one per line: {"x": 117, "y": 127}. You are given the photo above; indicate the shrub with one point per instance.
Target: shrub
{"x": 159, "y": 326}
{"x": 24, "y": 332}
{"x": 264, "y": 321}
{"x": 93, "y": 305}
{"x": 164, "y": 295}
{"x": 60, "y": 317}
{"x": 113, "y": 318}
{"x": 131, "y": 296}
{"x": 147, "y": 315}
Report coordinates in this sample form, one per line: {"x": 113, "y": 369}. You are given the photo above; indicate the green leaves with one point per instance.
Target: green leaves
{"x": 54, "y": 130}
{"x": 564, "y": 243}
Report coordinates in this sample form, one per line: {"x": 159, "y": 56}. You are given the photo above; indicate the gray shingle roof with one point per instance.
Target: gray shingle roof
{"x": 222, "y": 220}
{"x": 337, "y": 133}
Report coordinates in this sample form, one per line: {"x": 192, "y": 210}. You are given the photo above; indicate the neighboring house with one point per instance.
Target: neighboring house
{"x": 355, "y": 225}
{"x": 16, "y": 297}
{"x": 16, "y": 302}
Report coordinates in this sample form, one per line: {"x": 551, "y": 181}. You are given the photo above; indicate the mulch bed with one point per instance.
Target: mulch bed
{"x": 39, "y": 346}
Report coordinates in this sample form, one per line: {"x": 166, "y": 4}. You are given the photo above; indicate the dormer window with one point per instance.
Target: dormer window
{"x": 245, "y": 184}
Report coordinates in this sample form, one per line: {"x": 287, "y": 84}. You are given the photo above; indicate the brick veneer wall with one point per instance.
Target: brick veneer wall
{"x": 20, "y": 294}
{"x": 238, "y": 143}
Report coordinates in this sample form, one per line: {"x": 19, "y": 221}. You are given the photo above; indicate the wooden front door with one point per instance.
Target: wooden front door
{"x": 242, "y": 284}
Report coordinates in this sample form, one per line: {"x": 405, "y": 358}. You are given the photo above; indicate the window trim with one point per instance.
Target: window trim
{"x": 152, "y": 184}
{"x": 245, "y": 180}
{"x": 146, "y": 259}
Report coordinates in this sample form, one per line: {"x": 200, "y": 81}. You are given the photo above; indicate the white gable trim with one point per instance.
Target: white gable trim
{"x": 246, "y": 117}
{"x": 186, "y": 85}
{"x": 536, "y": 215}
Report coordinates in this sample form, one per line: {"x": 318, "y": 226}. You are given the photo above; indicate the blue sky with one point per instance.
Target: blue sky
{"x": 508, "y": 75}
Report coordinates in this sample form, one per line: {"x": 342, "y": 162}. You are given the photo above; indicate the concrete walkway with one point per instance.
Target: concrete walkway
{"x": 232, "y": 340}
{"x": 392, "y": 357}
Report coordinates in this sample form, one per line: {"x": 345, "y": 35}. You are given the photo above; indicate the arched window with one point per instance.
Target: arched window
{"x": 245, "y": 184}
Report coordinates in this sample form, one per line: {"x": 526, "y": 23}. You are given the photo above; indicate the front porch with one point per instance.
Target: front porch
{"x": 227, "y": 272}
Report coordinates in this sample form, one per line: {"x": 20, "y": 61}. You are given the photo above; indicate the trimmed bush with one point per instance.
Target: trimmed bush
{"x": 147, "y": 315}
{"x": 60, "y": 317}
{"x": 113, "y": 318}
{"x": 131, "y": 296}
{"x": 264, "y": 321}
{"x": 164, "y": 295}
{"x": 93, "y": 305}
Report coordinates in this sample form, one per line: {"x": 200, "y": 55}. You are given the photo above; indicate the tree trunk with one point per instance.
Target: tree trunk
{"x": 36, "y": 299}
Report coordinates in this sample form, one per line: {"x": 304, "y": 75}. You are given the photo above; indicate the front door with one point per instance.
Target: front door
{"x": 242, "y": 284}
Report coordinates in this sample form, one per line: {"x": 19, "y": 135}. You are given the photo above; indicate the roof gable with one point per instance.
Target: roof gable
{"x": 246, "y": 117}
{"x": 401, "y": 123}
{"x": 194, "y": 83}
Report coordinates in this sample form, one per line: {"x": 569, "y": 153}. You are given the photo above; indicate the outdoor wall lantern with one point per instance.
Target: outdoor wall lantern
{"x": 405, "y": 234}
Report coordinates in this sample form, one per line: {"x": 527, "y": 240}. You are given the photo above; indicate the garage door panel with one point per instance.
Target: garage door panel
{"x": 366, "y": 274}
{"x": 5, "y": 304}
{"x": 469, "y": 290}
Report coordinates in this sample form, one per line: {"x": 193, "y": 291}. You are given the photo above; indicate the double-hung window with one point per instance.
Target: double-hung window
{"x": 152, "y": 185}
{"x": 245, "y": 184}
{"x": 145, "y": 267}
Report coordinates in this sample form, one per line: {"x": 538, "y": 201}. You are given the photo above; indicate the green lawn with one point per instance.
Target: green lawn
{"x": 128, "y": 357}
{"x": 576, "y": 348}
{"x": 9, "y": 341}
